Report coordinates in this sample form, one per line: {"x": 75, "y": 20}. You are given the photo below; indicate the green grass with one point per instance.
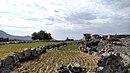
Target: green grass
{"x": 10, "y": 48}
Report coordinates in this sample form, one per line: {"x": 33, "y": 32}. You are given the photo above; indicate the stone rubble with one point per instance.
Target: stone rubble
{"x": 71, "y": 68}
{"x": 113, "y": 57}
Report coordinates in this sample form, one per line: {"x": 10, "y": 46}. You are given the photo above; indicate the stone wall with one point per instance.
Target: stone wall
{"x": 9, "y": 62}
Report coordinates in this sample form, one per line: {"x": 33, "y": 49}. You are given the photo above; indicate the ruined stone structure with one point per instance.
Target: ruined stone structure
{"x": 111, "y": 64}
{"x": 114, "y": 59}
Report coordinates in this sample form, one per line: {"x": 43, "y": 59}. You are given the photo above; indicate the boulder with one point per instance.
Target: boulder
{"x": 62, "y": 69}
{"x": 39, "y": 51}
{"x": 33, "y": 52}
{"x": 5, "y": 69}
{"x": 20, "y": 55}
{"x": 77, "y": 68}
{"x": 71, "y": 68}
{"x": 27, "y": 52}
{"x": 43, "y": 49}
{"x": 0, "y": 63}
{"x": 6, "y": 61}
{"x": 112, "y": 64}
{"x": 15, "y": 58}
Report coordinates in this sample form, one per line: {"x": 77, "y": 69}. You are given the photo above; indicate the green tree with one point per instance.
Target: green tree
{"x": 41, "y": 35}
{"x": 87, "y": 36}
{"x": 34, "y": 36}
{"x": 49, "y": 36}
{"x": 4, "y": 39}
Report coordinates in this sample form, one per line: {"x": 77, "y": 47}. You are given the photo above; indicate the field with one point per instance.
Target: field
{"x": 9, "y": 48}
{"x": 46, "y": 63}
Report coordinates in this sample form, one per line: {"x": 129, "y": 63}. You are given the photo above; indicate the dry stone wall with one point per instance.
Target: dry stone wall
{"x": 8, "y": 63}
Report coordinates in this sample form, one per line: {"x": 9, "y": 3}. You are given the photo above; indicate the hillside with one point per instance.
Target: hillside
{"x": 5, "y": 35}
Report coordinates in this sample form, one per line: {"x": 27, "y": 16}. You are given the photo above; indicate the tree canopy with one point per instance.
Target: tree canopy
{"x": 87, "y": 36}
{"x": 4, "y": 39}
{"x": 41, "y": 35}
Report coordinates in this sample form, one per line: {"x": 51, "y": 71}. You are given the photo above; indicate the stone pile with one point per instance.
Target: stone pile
{"x": 88, "y": 48}
{"x": 113, "y": 59}
{"x": 112, "y": 63}
{"x": 71, "y": 68}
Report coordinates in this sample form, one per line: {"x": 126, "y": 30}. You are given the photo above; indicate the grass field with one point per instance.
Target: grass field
{"x": 9, "y": 48}
{"x": 46, "y": 63}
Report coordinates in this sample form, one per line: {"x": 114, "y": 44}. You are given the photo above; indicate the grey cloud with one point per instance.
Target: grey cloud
{"x": 62, "y": 34}
{"x": 29, "y": 5}
{"x": 57, "y": 4}
{"x": 49, "y": 24}
{"x": 50, "y": 18}
{"x": 107, "y": 28}
{"x": 18, "y": 15}
{"x": 40, "y": 7}
{"x": 115, "y": 20}
{"x": 30, "y": 18}
{"x": 54, "y": 19}
{"x": 56, "y": 11}
{"x": 4, "y": 12}
{"x": 103, "y": 17}
{"x": 110, "y": 2}
{"x": 117, "y": 3}
{"x": 80, "y": 17}
{"x": 113, "y": 28}
{"x": 120, "y": 20}
{"x": 4, "y": 25}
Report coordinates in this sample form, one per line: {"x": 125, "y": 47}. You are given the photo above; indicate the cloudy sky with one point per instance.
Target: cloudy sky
{"x": 65, "y": 18}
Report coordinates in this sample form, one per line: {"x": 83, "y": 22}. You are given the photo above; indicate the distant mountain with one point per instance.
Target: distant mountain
{"x": 5, "y": 35}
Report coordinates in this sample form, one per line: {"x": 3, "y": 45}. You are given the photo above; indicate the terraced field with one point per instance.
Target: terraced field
{"x": 46, "y": 63}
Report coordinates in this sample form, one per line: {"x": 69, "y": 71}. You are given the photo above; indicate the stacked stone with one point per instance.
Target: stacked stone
{"x": 111, "y": 64}
{"x": 71, "y": 68}
{"x": 87, "y": 48}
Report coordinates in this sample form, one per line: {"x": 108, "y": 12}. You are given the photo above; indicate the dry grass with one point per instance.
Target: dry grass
{"x": 46, "y": 63}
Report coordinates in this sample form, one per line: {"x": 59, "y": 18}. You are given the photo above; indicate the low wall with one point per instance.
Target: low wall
{"x": 10, "y": 62}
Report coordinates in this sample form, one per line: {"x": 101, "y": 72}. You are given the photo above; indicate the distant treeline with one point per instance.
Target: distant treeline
{"x": 4, "y": 39}
{"x": 7, "y": 39}
{"x": 28, "y": 41}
